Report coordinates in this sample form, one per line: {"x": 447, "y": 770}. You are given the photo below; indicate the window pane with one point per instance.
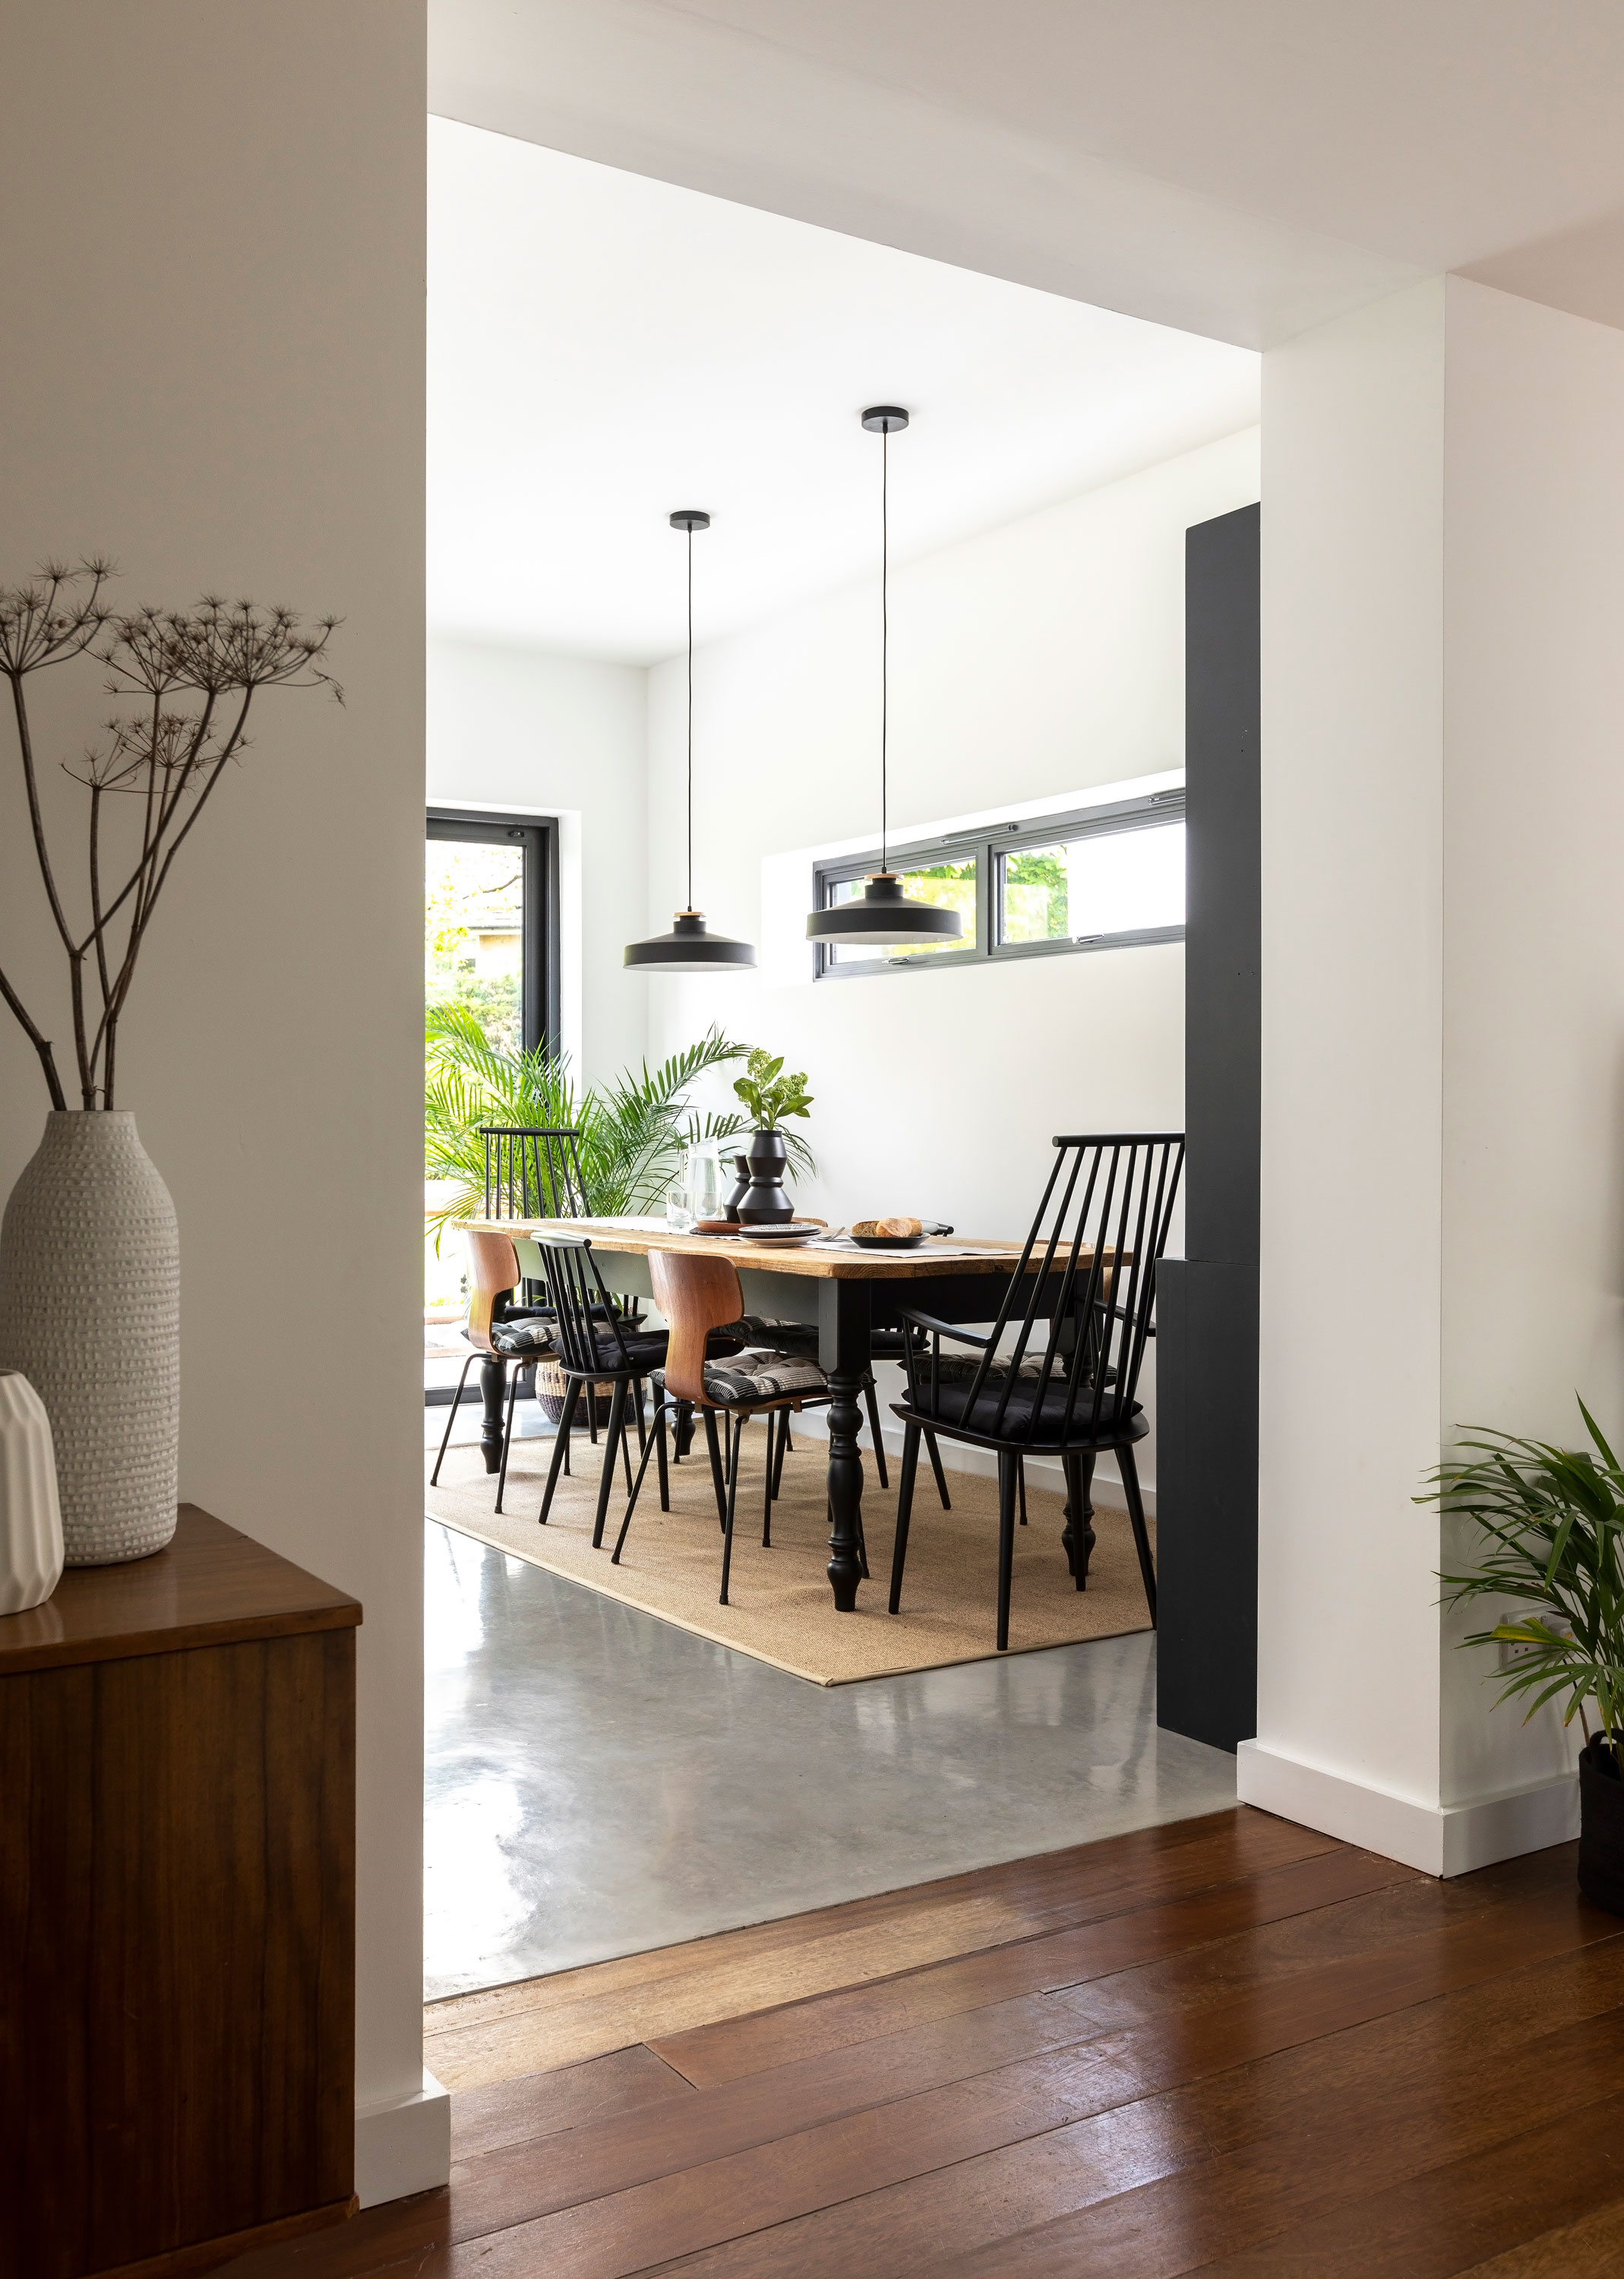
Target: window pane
{"x": 951, "y": 885}
{"x": 1110, "y": 882}
{"x": 473, "y": 933}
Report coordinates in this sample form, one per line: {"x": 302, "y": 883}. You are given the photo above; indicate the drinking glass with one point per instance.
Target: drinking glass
{"x": 704, "y": 1183}
{"x": 678, "y": 1218}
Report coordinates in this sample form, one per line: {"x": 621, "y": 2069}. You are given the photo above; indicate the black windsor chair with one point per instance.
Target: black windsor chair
{"x": 533, "y": 1170}
{"x": 595, "y": 1341}
{"x": 1081, "y": 1304}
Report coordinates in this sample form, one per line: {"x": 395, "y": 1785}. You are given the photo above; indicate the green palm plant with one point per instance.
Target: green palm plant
{"x": 1554, "y": 1520}
{"x": 633, "y": 1133}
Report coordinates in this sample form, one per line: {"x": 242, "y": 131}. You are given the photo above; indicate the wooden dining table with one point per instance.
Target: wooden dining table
{"x": 845, "y": 1295}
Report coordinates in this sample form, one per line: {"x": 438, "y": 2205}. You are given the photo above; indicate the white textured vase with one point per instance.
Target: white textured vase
{"x": 30, "y": 1518}
{"x": 90, "y": 1314}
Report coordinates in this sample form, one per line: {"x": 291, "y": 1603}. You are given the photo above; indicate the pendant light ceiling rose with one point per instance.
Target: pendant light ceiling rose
{"x": 883, "y": 916}
{"x": 689, "y": 947}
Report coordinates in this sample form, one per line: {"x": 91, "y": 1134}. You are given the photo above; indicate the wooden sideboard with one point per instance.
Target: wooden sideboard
{"x": 177, "y": 1911}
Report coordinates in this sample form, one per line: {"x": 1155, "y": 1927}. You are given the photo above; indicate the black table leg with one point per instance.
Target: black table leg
{"x": 844, "y": 1321}
{"x": 1079, "y": 1470}
{"x": 491, "y": 1376}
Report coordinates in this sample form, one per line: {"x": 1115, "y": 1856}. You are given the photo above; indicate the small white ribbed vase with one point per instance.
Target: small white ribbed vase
{"x": 30, "y": 1519}
{"x": 90, "y": 1314}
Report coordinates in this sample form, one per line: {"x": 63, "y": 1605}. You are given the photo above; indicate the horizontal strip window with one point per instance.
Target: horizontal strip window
{"x": 1104, "y": 878}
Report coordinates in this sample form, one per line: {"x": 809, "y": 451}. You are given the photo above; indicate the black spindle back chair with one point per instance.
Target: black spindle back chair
{"x": 533, "y": 1171}
{"x": 593, "y": 1340}
{"x": 1057, "y": 1372}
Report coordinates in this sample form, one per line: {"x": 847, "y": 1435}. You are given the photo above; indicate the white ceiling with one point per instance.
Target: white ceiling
{"x": 604, "y": 348}
{"x": 1242, "y": 170}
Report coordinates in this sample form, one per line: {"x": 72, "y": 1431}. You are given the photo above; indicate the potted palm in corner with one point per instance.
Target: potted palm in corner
{"x": 1554, "y": 1521}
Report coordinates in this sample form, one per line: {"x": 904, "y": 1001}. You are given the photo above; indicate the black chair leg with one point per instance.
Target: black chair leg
{"x": 784, "y": 1435}
{"x": 635, "y": 1397}
{"x": 727, "y": 1527}
{"x": 561, "y": 1445}
{"x": 905, "y": 1511}
{"x": 717, "y": 1479}
{"x": 772, "y": 1450}
{"x": 1008, "y": 1462}
{"x": 1141, "y": 1535}
{"x": 872, "y": 1399}
{"x": 658, "y": 1430}
{"x": 1020, "y": 1475}
{"x": 445, "y": 1440}
{"x": 612, "y": 1444}
{"x": 620, "y": 1540}
{"x": 507, "y": 1435}
{"x": 936, "y": 1466}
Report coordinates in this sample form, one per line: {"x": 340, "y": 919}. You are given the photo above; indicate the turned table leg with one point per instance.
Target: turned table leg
{"x": 844, "y": 1318}
{"x": 491, "y": 1376}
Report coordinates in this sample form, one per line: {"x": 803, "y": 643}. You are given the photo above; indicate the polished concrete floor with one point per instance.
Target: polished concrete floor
{"x": 600, "y": 1782}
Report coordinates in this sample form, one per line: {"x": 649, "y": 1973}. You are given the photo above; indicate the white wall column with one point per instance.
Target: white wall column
{"x": 213, "y": 366}
{"x": 1443, "y": 1022}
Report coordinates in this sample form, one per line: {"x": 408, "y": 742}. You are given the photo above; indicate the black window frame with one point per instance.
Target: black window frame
{"x": 541, "y": 995}
{"x": 989, "y": 843}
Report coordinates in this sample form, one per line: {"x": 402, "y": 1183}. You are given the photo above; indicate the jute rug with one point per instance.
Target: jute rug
{"x": 779, "y": 1606}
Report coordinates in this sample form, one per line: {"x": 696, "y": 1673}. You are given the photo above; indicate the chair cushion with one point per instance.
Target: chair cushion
{"x": 759, "y": 1374}
{"x": 954, "y": 1407}
{"x": 645, "y": 1350}
{"x": 534, "y": 1336}
{"x": 777, "y": 1336}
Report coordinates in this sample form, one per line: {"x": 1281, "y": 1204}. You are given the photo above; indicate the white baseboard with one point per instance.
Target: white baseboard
{"x": 1042, "y": 1471}
{"x": 403, "y": 2145}
{"x": 1441, "y": 1840}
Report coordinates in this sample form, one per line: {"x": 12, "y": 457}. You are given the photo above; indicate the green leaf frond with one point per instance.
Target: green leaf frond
{"x": 1551, "y": 1522}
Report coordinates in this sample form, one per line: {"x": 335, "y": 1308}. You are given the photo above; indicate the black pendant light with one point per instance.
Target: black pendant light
{"x": 882, "y": 914}
{"x": 690, "y": 947}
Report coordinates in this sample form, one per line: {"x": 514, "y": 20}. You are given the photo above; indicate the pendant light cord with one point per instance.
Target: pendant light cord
{"x": 885, "y": 627}
{"x": 690, "y": 716}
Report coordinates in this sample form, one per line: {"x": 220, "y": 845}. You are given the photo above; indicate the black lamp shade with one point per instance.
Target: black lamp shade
{"x": 689, "y": 948}
{"x": 883, "y": 917}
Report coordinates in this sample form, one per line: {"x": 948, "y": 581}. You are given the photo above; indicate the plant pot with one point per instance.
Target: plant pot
{"x": 90, "y": 1315}
{"x": 764, "y": 1202}
{"x": 1601, "y": 1829}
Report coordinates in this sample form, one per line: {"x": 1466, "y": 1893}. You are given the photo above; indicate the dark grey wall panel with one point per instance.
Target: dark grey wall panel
{"x": 1207, "y": 1360}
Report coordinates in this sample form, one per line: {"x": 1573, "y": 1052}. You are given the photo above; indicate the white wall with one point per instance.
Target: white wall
{"x": 515, "y": 729}
{"x": 1044, "y": 658}
{"x": 1443, "y": 1022}
{"x": 1352, "y": 1036}
{"x": 1533, "y": 1094}
{"x": 212, "y": 365}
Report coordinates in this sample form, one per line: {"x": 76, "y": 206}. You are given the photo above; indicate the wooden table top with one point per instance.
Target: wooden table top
{"x": 933, "y": 1257}
{"x": 210, "y": 1586}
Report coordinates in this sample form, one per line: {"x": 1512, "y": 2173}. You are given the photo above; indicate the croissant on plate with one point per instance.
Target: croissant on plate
{"x": 900, "y": 1228}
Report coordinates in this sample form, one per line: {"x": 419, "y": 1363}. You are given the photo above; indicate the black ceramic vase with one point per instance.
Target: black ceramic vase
{"x": 740, "y": 1189}
{"x": 1601, "y": 1829}
{"x": 764, "y": 1202}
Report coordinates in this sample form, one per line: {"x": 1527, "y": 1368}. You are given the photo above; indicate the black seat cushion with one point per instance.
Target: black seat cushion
{"x": 774, "y": 1336}
{"x": 952, "y": 1406}
{"x": 645, "y": 1350}
{"x": 531, "y": 1336}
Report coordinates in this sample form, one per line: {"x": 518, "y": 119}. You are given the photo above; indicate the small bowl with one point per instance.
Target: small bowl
{"x": 717, "y": 1227}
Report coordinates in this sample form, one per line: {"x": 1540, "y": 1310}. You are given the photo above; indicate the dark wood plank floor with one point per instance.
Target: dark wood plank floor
{"x": 1230, "y": 2045}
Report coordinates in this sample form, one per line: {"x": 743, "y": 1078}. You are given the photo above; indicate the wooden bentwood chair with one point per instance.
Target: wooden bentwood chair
{"x": 1065, "y": 1386}
{"x": 496, "y": 1331}
{"x": 698, "y": 1297}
